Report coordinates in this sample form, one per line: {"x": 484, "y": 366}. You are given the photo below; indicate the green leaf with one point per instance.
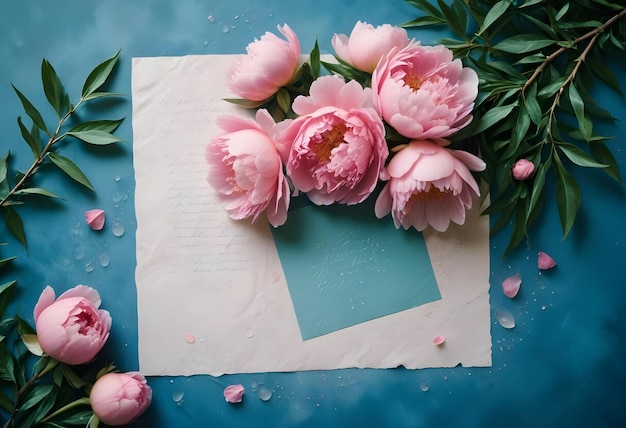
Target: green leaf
{"x": 72, "y": 378}
{"x": 578, "y": 156}
{"x": 3, "y": 166}
{"x": 70, "y": 168}
{"x": 7, "y": 260}
{"x": 52, "y": 87}
{"x": 31, "y": 111}
{"x": 32, "y": 344}
{"x": 531, "y": 104}
{"x": 100, "y": 125}
{"x": 284, "y": 100}
{"x": 519, "y": 227}
{"x": 496, "y": 11}
{"x": 99, "y": 75}
{"x": 37, "y": 191}
{"x": 33, "y": 143}
{"x": 537, "y": 189}
{"x": 584, "y": 123}
{"x": 314, "y": 59}
{"x": 567, "y": 197}
{"x": 523, "y": 43}
{"x": 423, "y": 21}
{"x": 601, "y": 152}
{"x": 491, "y": 117}
{"x": 38, "y": 393}
{"x": 95, "y": 95}
{"x": 427, "y": 7}
{"x": 247, "y": 104}
{"x": 604, "y": 73}
{"x": 562, "y": 12}
{"x": 5, "y": 402}
{"x": 96, "y": 137}
{"x": 78, "y": 418}
{"x": 15, "y": 225}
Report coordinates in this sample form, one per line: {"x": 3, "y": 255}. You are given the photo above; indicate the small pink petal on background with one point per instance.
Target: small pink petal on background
{"x": 190, "y": 338}
{"x": 95, "y": 219}
{"x": 511, "y": 285}
{"x": 544, "y": 261}
{"x": 438, "y": 340}
{"x": 234, "y": 393}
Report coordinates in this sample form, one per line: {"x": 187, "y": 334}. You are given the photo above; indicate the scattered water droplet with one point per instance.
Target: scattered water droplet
{"x": 211, "y": 19}
{"x": 117, "y": 227}
{"x": 178, "y": 396}
{"x": 254, "y": 384}
{"x": 117, "y": 178}
{"x": 249, "y": 333}
{"x": 505, "y": 318}
{"x": 225, "y": 29}
{"x": 105, "y": 259}
{"x": 264, "y": 393}
{"x": 424, "y": 387}
{"x": 89, "y": 267}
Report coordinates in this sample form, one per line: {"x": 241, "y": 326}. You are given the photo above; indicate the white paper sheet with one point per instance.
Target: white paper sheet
{"x": 212, "y": 297}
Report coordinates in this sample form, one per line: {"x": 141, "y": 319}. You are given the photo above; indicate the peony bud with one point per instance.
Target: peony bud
{"x": 71, "y": 329}
{"x": 522, "y": 169}
{"x": 120, "y": 398}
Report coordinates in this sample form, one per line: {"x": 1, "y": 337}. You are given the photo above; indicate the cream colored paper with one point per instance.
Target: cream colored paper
{"x": 211, "y": 295}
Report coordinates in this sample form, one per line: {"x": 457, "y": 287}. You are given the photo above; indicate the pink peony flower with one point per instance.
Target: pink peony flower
{"x": 423, "y": 93}
{"x": 71, "y": 329}
{"x": 120, "y": 398}
{"x": 246, "y": 170}
{"x": 428, "y": 185}
{"x": 336, "y": 149}
{"x": 270, "y": 63}
{"x": 522, "y": 169}
{"x": 367, "y": 45}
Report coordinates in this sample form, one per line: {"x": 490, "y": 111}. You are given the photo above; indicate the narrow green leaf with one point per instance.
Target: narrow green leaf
{"x": 95, "y": 95}
{"x": 552, "y": 88}
{"x": 37, "y": 191}
{"x": 519, "y": 227}
{"x": 72, "y": 378}
{"x": 284, "y": 100}
{"x": 578, "y": 156}
{"x": 537, "y": 189}
{"x": 70, "y": 168}
{"x": 33, "y": 143}
{"x": 38, "y": 393}
{"x": 3, "y": 166}
{"x": 6, "y": 261}
{"x": 247, "y": 104}
{"x": 523, "y": 43}
{"x": 496, "y": 11}
{"x": 100, "y": 125}
{"x": 427, "y": 7}
{"x": 52, "y": 87}
{"x": 561, "y": 12}
{"x": 451, "y": 19}
{"x": 531, "y": 3}
{"x": 531, "y": 104}
{"x": 15, "y": 225}
{"x": 98, "y": 137}
{"x": 492, "y": 117}
{"x": 567, "y": 197}
{"x": 602, "y": 153}
{"x": 7, "y": 285}
{"x": 423, "y": 21}
{"x": 31, "y": 111}
{"x": 584, "y": 123}
{"x": 314, "y": 59}
{"x": 99, "y": 75}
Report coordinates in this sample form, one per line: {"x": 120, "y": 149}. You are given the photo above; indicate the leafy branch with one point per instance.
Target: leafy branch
{"x": 97, "y": 132}
{"x": 528, "y": 100}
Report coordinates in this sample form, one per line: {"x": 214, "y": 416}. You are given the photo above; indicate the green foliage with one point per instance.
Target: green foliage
{"x": 36, "y": 390}
{"x": 537, "y": 61}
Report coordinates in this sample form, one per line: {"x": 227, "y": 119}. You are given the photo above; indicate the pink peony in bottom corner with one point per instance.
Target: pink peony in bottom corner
{"x": 120, "y": 398}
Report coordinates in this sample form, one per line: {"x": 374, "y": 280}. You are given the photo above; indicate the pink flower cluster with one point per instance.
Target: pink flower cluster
{"x": 336, "y": 148}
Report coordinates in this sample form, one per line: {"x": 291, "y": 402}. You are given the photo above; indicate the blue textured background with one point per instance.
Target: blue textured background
{"x": 562, "y": 365}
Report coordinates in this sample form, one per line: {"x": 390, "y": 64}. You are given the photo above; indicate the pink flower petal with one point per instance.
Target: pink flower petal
{"x": 438, "y": 340}
{"x": 234, "y": 393}
{"x": 511, "y": 285}
{"x": 544, "y": 261}
{"x": 95, "y": 219}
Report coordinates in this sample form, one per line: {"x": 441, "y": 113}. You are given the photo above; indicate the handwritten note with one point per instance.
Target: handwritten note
{"x": 204, "y": 276}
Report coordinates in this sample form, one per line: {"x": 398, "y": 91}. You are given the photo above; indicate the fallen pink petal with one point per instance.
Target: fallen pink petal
{"x": 234, "y": 393}
{"x": 511, "y": 285}
{"x": 544, "y": 261}
{"x": 95, "y": 219}
{"x": 439, "y": 340}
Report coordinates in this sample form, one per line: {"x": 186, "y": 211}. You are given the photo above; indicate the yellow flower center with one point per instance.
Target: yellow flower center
{"x": 413, "y": 81}
{"x": 432, "y": 194}
{"x": 328, "y": 140}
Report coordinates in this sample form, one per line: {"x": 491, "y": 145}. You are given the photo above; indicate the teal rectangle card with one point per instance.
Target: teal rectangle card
{"x": 344, "y": 266}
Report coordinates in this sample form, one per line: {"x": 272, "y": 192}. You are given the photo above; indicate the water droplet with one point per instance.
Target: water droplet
{"x": 264, "y": 393}
{"x": 79, "y": 252}
{"x": 543, "y": 307}
{"x": 89, "y": 267}
{"x": 105, "y": 259}
{"x": 225, "y": 29}
{"x": 254, "y": 384}
{"x": 249, "y": 333}
{"x": 211, "y": 19}
{"x": 118, "y": 197}
{"x": 424, "y": 387}
{"x": 178, "y": 396}
{"x": 117, "y": 178}
{"x": 117, "y": 227}
{"x": 505, "y": 318}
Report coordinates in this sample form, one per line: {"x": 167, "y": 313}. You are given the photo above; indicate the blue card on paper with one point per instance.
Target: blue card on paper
{"x": 344, "y": 266}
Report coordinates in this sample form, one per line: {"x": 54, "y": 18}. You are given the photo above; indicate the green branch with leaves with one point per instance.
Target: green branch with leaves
{"x": 537, "y": 61}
